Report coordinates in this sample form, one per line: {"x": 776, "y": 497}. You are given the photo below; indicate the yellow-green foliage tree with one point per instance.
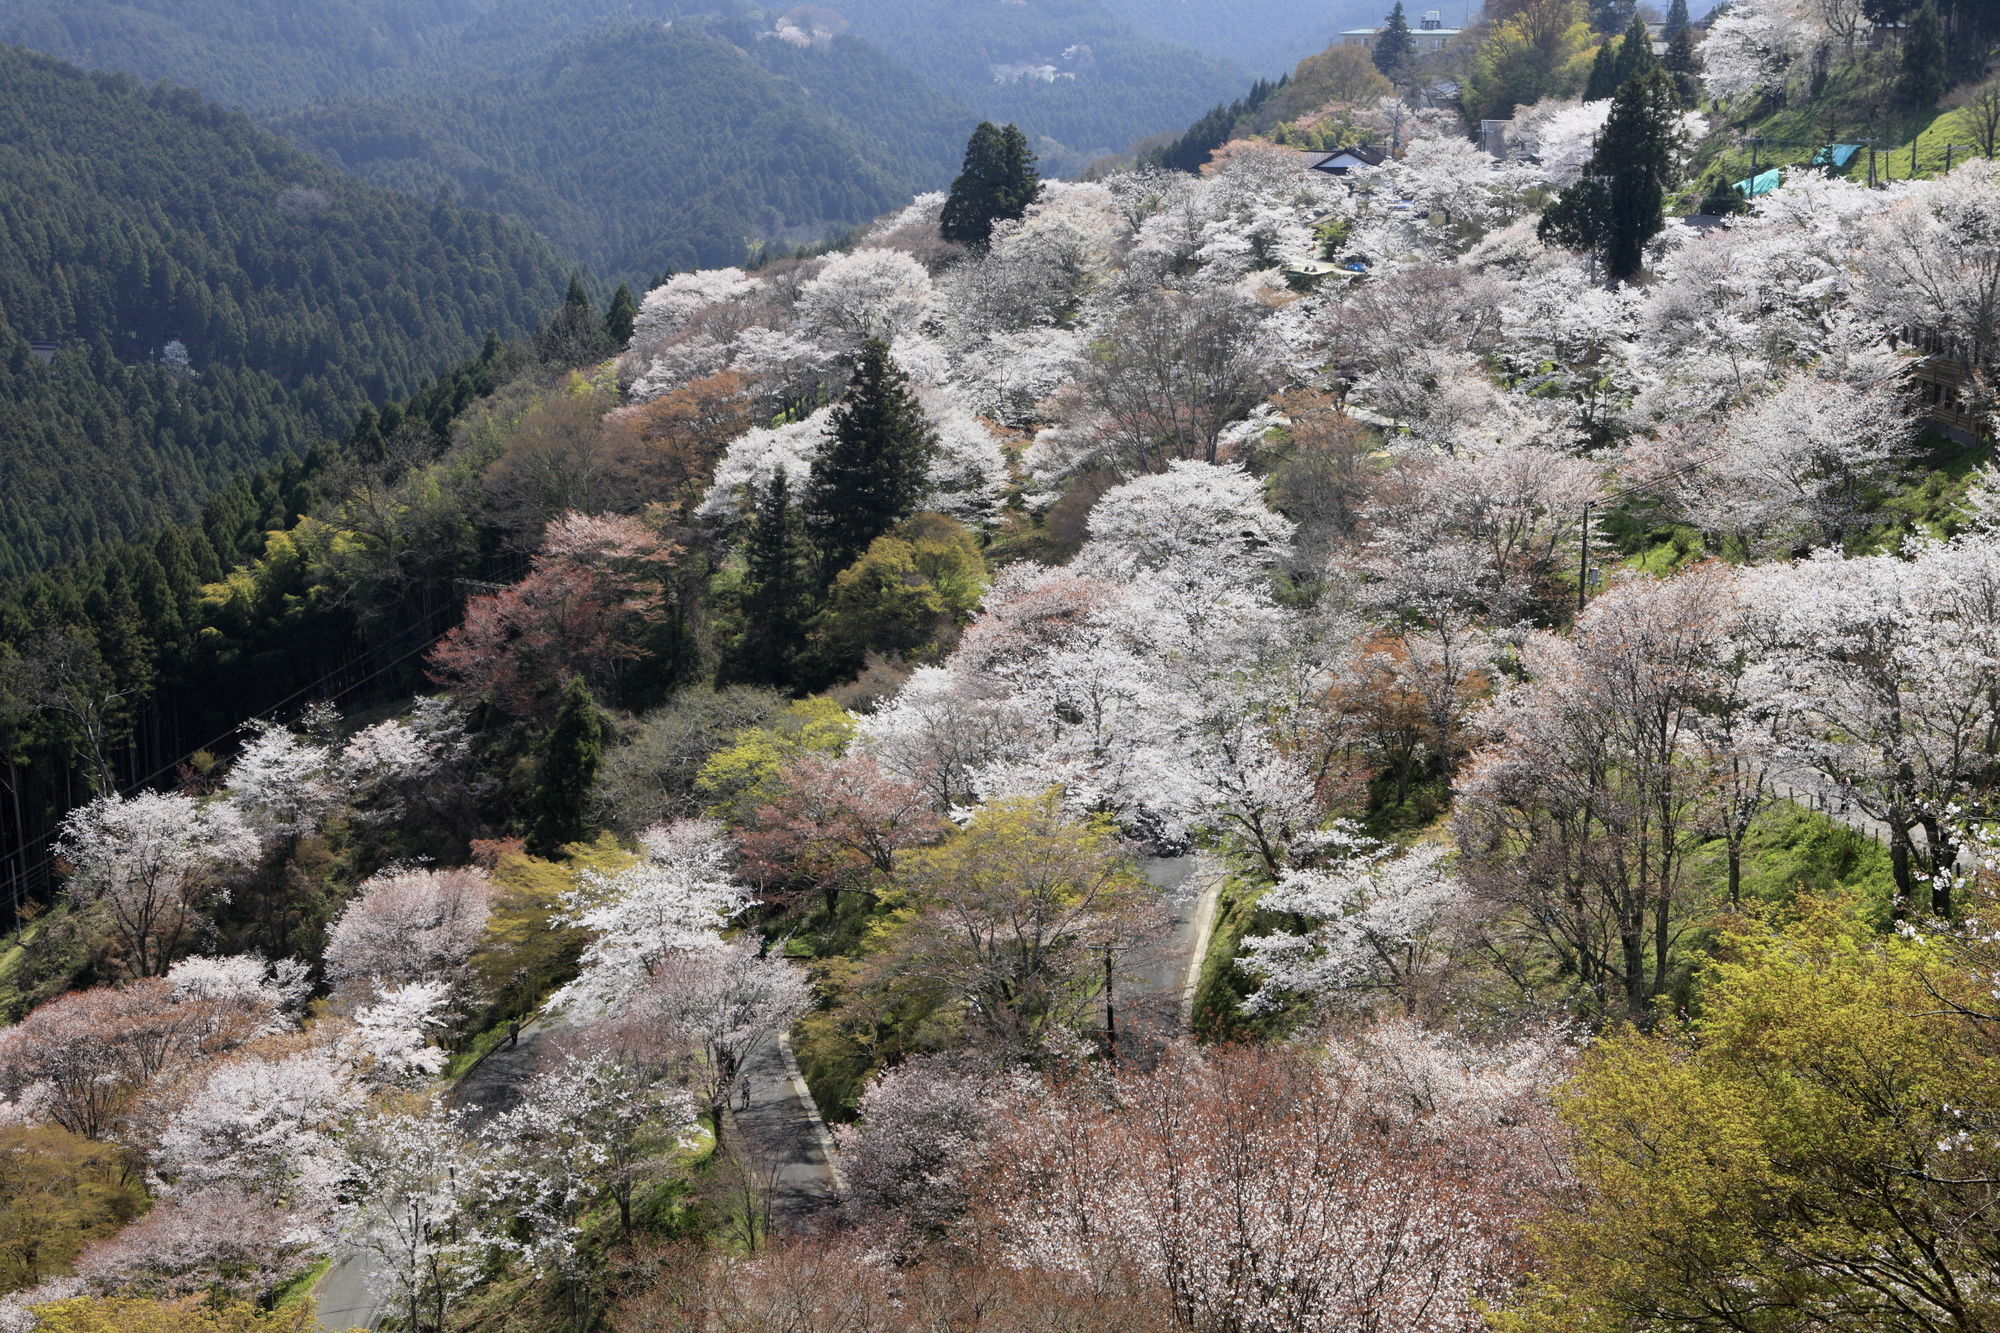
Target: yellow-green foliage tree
{"x": 1543, "y": 51}
{"x": 1816, "y": 1150}
{"x": 743, "y": 775}
{"x": 907, "y": 597}
{"x": 58, "y": 1192}
{"x": 1004, "y": 924}
{"x": 1337, "y": 76}
{"x": 526, "y": 951}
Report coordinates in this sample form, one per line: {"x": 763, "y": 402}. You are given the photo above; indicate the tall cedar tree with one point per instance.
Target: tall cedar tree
{"x": 1620, "y": 204}
{"x": 1635, "y": 52}
{"x": 1603, "y": 74}
{"x": 873, "y": 469}
{"x": 570, "y": 755}
{"x": 1395, "y": 46}
{"x": 998, "y": 181}
{"x": 1680, "y": 59}
{"x": 774, "y": 608}
{"x": 620, "y": 318}
{"x": 573, "y": 336}
{"x": 1923, "y": 79}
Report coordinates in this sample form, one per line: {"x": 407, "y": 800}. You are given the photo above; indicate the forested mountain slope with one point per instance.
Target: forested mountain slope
{"x": 1263, "y": 36}
{"x": 654, "y": 147}
{"x": 217, "y": 298}
{"x": 1074, "y": 71}
{"x": 269, "y": 54}
{"x": 1069, "y": 70}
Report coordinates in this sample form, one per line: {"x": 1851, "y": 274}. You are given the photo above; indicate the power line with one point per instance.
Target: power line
{"x": 27, "y": 876}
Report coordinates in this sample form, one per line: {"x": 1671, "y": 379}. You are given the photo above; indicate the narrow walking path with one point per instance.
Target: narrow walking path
{"x": 781, "y": 1135}
{"x": 1160, "y": 980}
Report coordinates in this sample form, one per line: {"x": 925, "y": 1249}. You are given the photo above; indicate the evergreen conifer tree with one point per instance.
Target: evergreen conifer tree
{"x": 1681, "y": 61}
{"x": 619, "y": 319}
{"x": 774, "y": 603}
{"x": 1677, "y": 20}
{"x": 1394, "y": 47}
{"x": 573, "y": 336}
{"x": 568, "y": 766}
{"x": 873, "y": 470}
{"x": 1923, "y": 78}
{"x": 1620, "y": 204}
{"x": 997, "y": 181}
{"x": 1635, "y": 53}
{"x": 1603, "y": 81}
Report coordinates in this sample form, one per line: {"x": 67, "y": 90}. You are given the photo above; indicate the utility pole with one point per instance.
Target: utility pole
{"x": 1583, "y": 562}
{"x": 1110, "y": 1013}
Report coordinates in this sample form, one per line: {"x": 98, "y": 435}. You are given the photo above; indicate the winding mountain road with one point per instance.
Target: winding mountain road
{"x": 778, "y": 1126}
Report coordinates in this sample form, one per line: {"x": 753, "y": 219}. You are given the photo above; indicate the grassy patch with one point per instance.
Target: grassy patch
{"x": 1223, "y": 984}
{"x": 1793, "y": 850}
{"x": 300, "y": 1289}
{"x": 474, "y": 1051}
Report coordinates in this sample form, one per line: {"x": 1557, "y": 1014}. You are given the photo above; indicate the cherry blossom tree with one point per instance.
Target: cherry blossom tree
{"x": 676, "y": 900}
{"x": 837, "y": 824}
{"x": 1258, "y": 1189}
{"x": 152, "y": 862}
{"x": 585, "y": 1130}
{"x": 87, "y": 1060}
{"x": 1382, "y": 923}
{"x": 1578, "y": 822}
{"x": 205, "y": 1242}
{"x": 1878, "y": 674}
{"x": 389, "y": 1041}
{"x": 410, "y": 1190}
{"x": 912, "y": 1161}
{"x": 865, "y": 294}
{"x": 702, "y": 1014}
{"x": 410, "y": 925}
{"x": 287, "y": 783}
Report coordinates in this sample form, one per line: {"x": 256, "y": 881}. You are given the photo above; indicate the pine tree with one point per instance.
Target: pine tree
{"x": 1923, "y": 79}
{"x": 1603, "y": 81}
{"x": 1394, "y": 47}
{"x": 1635, "y": 53}
{"x": 569, "y": 758}
{"x": 620, "y": 318}
{"x": 1677, "y": 20}
{"x": 998, "y": 181}
{"x": 873, "y": 470}
{"x": 774, "y": 601}
{"x": 1620, "y": 204}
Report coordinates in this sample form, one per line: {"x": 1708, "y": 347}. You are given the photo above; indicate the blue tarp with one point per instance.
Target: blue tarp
{"x": 1762, "y": 183}
{"x": 1836, "y": 156}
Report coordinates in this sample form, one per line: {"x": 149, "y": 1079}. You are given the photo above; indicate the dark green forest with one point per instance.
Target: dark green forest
{"x": 1118, "y": 78}
{"x": 135, "y": 219}
{"x": 651, "y": 148}
{"x": 266, "y": 55}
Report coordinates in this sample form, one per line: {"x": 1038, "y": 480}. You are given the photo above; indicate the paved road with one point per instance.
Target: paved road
{"x": 782, "y": 1136}
{"x": 1155, "y": 985}
{"x": 342, "y": 1299}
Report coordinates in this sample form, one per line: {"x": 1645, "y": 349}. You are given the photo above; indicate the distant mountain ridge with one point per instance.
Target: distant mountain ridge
{"x": 218, "y": 298}
{"x": 1111, "y": 76}
{"x": 658, "y": 146}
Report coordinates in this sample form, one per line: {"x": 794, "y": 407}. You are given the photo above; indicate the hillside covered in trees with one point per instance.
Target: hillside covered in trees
{"x": 1210, "y": 750}
{"x": 217, "y": 298}
{"x": 653, "y": 148}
